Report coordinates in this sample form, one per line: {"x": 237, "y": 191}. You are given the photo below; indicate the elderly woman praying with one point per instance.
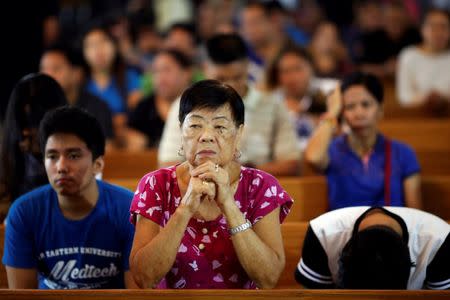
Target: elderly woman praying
{"x": 209, "y": 222}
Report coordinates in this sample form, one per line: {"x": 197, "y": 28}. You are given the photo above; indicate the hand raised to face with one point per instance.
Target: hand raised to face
{"x": 334, "y": 103}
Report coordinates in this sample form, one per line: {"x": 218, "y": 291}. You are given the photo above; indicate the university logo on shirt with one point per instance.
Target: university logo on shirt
{"x": 89, "y": 271}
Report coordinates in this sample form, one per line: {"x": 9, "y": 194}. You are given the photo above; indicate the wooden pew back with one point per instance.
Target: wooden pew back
{"x": 293, "y": 236}
{"x": 420, "y": 134}
{"x": 311, "y": 193}
{"x": 123, "y": 164}
{"x": 310, "y": 196}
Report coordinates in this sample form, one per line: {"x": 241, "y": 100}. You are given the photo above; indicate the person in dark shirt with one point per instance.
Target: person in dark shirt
{"x": 172, "y": 73}
{"x": 381, "y": 47}
{"x": 63, "y": 64}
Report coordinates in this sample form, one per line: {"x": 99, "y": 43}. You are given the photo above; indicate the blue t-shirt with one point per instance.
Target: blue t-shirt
{"x": 351, "y": 183}
{"x": 112, "y": 94}
{"x": 83, "y": 254}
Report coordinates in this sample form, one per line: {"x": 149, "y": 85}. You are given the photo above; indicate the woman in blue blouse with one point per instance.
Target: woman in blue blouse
{"x": 109, "y": 78}
{"x": 363, "y": 167}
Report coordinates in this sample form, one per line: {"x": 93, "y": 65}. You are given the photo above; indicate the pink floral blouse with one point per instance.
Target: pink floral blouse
{"x": 206, "y": 258}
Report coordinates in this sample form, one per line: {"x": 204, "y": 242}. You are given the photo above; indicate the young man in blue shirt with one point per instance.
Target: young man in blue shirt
{"x": 74, "y": 232}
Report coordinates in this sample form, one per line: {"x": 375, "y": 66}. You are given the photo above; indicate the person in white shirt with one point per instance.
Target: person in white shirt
{"x": 423, "y": 77}
{"x": 376, "y": 248}
{"x": 269, "y": 139}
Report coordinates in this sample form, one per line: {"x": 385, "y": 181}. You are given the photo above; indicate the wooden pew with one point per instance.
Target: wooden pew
{"x": 393, "y": 109}
{"x": 311, "y": 194}
{"x": 293, "y": 236}
{"x": 420, "y": 134}
{"x": 294, "y": 294}
{"x": 430, "y": 138}
{"x": 434, "y": 162}
{"x": 123, "y": 164}
{"x": 436, "y": 195}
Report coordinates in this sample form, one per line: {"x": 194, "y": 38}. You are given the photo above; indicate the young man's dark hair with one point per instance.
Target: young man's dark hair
{"x": 75, "y": 121}
{"x": 224, "y": 48}
{"x": 375, "y": 258}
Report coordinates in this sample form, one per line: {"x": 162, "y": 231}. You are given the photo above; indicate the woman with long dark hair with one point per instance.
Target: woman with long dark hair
{"x": 21, "y": 167}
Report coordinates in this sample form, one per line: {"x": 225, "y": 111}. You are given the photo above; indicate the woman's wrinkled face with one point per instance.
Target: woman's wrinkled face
{"x": 99, "y": 50}
{"x": 360, "y": 108}
{"x": 210, "y": 135}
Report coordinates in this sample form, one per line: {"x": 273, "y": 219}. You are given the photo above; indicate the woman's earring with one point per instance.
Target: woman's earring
{"x": 237, "y": 154}
{"x": 180, "y": 151}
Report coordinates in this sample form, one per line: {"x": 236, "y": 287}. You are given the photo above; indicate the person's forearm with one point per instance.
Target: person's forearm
{"x": 412, "y": 191}
{"x": 316, "y": 152}
{"x": 281, "y": 167}
{"x": 152, "y": 262}
{"x": 261, "y": 263}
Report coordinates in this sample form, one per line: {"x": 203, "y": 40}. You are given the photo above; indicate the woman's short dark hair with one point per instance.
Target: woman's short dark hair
{"x": 32, "y": 96}
{"x": 73, "y": 120}
{"x": 369, "y": 81}
{"x": 375, "y": 258}
{"x": 211, "y": 94}
{"x": 272, "y": 81}
{"x": 180, "y": 58}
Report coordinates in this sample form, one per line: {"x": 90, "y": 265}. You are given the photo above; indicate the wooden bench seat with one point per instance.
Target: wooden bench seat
{"x": 285, "y": 294}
